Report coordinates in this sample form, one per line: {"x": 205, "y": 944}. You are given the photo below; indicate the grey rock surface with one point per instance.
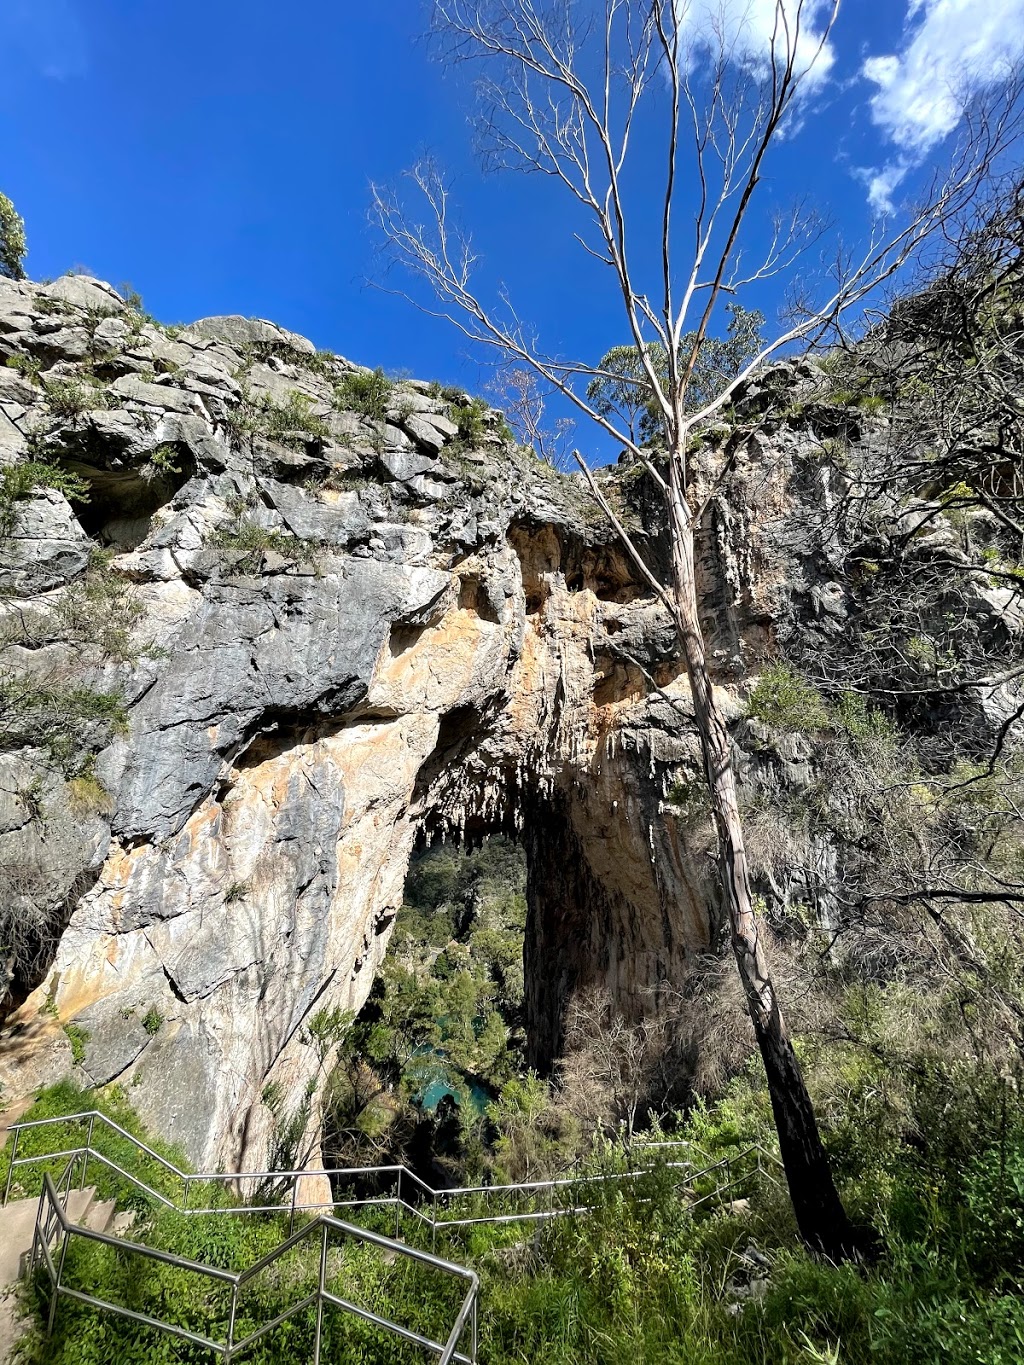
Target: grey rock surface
{"x": 45, "y": 547}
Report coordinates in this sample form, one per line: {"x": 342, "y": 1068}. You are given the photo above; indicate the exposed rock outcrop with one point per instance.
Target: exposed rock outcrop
{"x": 281, "y": 641}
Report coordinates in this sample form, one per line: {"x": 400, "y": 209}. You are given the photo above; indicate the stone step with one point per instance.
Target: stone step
{"x": 17, "y": 1224}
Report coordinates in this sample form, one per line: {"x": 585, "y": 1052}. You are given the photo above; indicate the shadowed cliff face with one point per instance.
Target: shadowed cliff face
{"x": 283, "y": 641}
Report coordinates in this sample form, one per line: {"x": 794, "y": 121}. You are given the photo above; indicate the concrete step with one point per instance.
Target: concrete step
{"x": 17, "y": 1222}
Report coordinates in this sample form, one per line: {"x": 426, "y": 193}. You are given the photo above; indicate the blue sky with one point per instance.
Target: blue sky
{"x": 217, "y": 155}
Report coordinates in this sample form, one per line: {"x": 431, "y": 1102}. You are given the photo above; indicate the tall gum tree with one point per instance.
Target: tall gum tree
{"x": 566, "y": 89}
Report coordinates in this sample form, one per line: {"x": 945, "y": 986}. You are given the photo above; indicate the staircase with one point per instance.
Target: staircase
{"x": 36, "y": 1233}
{"x": 17, "y": 1225}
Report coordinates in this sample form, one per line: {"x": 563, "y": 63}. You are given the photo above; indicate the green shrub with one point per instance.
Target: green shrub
{"x": 469, "y": 418}
{"x": 293, "y": 422}
{"x": 68, "y": 399}
{"x": 861, "y": 721}
{"x": 71, "y": 722}
{"x": 786, "y": 701}
{"x": 153, "y": 1020}
{"x": 20, "y": 481}
{"x": 13, "y": 246}
{"x": 28, "y": 366}
{"x": 100, "y": 610}
{"x": 366, "y": 392}
{"x": 252, "y": 541}
{"x": 834, "y": 451}
{"x": 164, "y": 459}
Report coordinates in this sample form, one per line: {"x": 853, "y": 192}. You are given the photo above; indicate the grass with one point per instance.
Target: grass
{"x": 68, "y": 1098}
{"x": 77, "y": 1037}
{"x": 88, "y": 796}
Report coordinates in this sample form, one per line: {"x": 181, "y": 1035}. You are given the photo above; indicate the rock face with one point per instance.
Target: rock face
{"x": 281, "y": 642}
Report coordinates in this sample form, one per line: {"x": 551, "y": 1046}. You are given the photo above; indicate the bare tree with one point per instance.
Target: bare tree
{"x": 610, "y": 1062}
{"x": 524, "y": 401}
{"x": 564, "y": 87}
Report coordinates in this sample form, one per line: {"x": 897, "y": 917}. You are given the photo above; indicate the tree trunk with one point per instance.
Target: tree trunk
{"x": 820, "y": 1215}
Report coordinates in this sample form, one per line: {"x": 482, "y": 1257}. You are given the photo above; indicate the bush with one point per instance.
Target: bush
{"x": 71, "y": 722}
{"x": 101, "y": 610}
{"x": 252, "y": 541}
{"x": 367, "y": 392}
{"x": 786, "y": 701}
{"x": 13, "y": 246}
{"x": 293, "y": 422}
{"x": 28, "y": 366}
{"x": 20, "y": 481}
{"x": 68, "y": 399}
{"x": 469, "y": 418}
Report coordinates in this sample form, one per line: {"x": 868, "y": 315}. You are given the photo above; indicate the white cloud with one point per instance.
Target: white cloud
{"x": 952, "y": 50}
{"x": 745, "y": 28}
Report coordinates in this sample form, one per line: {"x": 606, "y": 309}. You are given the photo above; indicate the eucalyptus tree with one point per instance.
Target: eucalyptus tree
{"x": 13, "y": 247}
{"x": 578, "y": 91}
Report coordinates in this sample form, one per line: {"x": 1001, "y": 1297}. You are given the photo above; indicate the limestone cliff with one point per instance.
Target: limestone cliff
{"x": 259, "y": 636}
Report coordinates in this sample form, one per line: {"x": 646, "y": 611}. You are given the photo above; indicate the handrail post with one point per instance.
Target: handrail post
{"x": 398, "y": 1204}
{"x": 184, "y": 1202}
{"x": 476, "y": 1296}
{"x": 88, "y": 1149}
{"x": 291, "y": 1216}
{"x": 41, "y": 1222}
{"x": 10, "y": 1169}
{"x": 229, "y": 1349}
{"x": 320, "y": 1297}
{"x": 57, "y": 1282}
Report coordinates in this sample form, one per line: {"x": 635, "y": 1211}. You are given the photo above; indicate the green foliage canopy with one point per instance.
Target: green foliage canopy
{"x": 624, "y": 391}
{"x": 13, "y": 246}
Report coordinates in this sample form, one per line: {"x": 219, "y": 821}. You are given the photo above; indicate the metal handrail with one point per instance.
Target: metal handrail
{"x": 402, "y": 1174}
{"x": 52, "y": 1213}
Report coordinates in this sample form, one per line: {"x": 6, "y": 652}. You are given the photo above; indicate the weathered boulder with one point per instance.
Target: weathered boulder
{"x": 45, "y": 546}
{"x": 245, "y": 333}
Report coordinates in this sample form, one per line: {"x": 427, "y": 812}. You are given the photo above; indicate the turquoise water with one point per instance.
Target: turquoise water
{"x": 436, "y": 1091}
{"x": 438, "y": 1082}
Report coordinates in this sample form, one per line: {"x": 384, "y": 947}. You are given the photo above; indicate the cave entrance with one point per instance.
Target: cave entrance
{"x": 443, "y": 1028}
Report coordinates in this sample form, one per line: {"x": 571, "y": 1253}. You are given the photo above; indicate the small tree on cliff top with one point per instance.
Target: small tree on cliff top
{"x": 567, "y": 88}
{"x": 13, "y": 248}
